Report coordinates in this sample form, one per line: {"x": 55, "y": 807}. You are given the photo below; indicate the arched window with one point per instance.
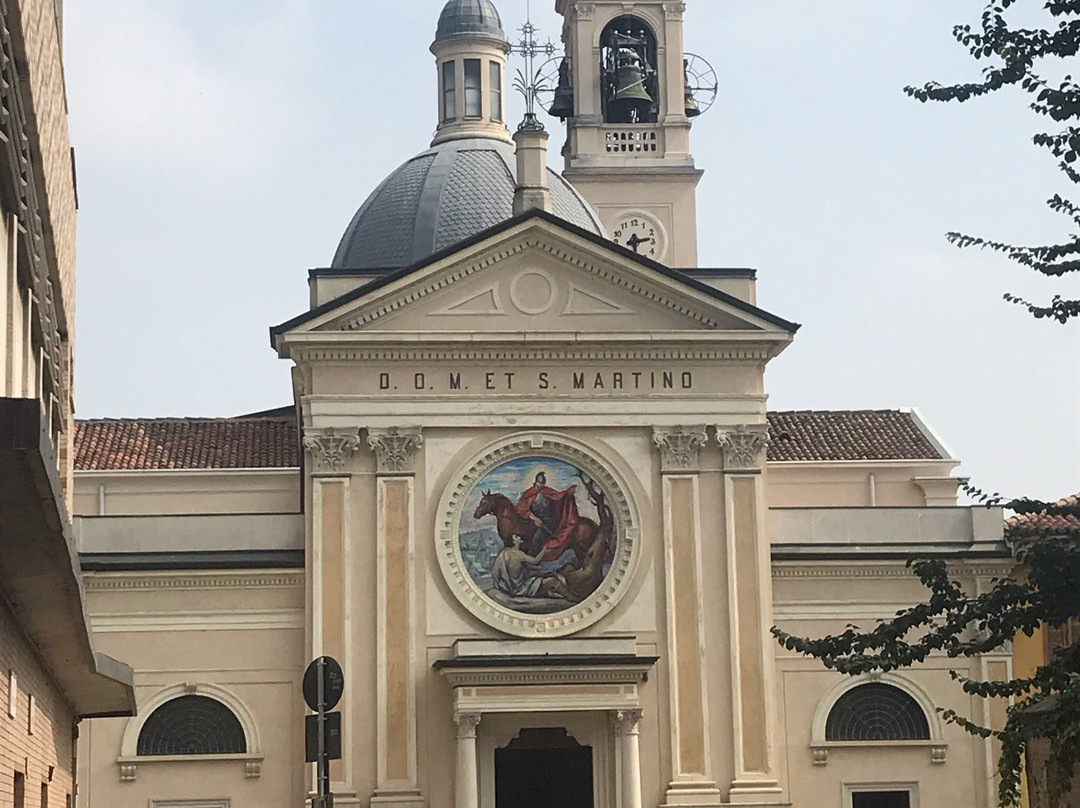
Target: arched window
{"x": 192, "y": 725}
{"x": 629, "y": 75}
{"x": 876, "y": 712}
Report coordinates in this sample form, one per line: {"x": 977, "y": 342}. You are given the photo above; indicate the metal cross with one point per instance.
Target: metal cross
{"x": 529, "y": 81}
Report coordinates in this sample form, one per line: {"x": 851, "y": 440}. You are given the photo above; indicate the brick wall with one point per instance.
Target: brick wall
{"x": 47, "y": 114}
{"x": 36, "y": 32}
{"x": 50, "y": 742}
{"x": 1037, "y": 756}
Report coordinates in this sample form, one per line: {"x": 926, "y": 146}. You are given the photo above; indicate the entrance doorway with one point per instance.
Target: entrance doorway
{"x": 544, "y": 768}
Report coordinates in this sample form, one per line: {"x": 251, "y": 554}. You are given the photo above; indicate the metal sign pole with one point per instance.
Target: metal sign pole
{"x": 322, "y": 687}
{"x": 325, "y": 800}
{"x": 323, "y": 765}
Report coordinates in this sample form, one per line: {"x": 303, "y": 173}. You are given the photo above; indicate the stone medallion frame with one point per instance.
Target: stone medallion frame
{"x": 580, "y": 615}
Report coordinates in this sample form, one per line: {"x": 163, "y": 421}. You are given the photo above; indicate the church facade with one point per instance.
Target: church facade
{"x": 530, "y": 495}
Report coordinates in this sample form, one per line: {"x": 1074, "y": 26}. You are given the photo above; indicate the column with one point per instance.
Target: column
{"x": 625, "y": 723}
{"x": 329, "y": 452}
{"x": 395, "y": 452}
{"x": 467, "y": 777}
{"x": 753, "y": 656}
{"x": 691, "y": 781}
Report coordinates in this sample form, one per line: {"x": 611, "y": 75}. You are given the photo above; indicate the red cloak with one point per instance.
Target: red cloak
{"x": 566, "y": 517}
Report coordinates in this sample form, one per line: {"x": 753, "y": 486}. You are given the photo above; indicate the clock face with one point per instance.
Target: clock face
{"x": 641, "y": 233}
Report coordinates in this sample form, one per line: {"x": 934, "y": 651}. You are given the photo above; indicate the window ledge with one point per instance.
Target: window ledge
{"x": 820, "y": 749}
{"x": 129, "y": 765}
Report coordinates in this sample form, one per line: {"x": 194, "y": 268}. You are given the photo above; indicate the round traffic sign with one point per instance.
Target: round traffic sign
{"x": 333, "y": 683}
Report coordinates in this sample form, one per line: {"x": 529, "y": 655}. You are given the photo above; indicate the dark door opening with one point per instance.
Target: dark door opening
{"x": 881, "y": 799}
{"x": 544, "y": 768}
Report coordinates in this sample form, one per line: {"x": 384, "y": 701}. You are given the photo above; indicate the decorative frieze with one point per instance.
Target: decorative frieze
{"x": 330, "y": 448}
{"x": 395, "y": 448}
{"x": 679, "y": 446}
{"x": 100, "y": 582}
{"x": 744, "y": 446}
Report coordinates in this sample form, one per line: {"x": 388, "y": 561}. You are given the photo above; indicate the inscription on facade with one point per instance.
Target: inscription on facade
{"x": 543, "y": 381}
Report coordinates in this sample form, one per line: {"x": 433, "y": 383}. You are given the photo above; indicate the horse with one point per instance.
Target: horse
{"x": 510, "y": 523}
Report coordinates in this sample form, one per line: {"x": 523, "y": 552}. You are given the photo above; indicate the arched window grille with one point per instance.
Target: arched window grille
{"x": 876, "y": 712}
{"x": 192, "y": 725}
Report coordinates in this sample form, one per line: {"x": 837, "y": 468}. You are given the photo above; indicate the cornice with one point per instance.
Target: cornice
{"x": 173, "y": 473}
{"x": 122, "y": 581}
{"x": 906, "y": 463}
{"x": 630, "y": 674}
{"x": 896, "y": 569}
{"x": 331, "y": 351}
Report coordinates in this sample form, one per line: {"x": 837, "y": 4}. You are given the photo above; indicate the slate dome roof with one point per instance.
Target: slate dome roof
{"x": 463, "y": 18}
{"x": 444, "y": 195}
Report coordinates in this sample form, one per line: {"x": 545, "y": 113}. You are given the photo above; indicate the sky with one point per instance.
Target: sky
{"x": 222, "y": 148}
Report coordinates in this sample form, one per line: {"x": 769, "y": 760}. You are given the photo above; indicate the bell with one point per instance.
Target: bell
{"x": 692, "y": 108}
{"x": 632, "y": 102}
{"x": 563, "y": 105}
{"x": 630, "y": 84}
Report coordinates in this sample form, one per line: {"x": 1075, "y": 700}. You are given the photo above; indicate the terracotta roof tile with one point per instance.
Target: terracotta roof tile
{"x": 1042, "y": 523}
{"x": 269, "y": 440}
{"x": 848, "y": 435}
{"x": 187, "y": 443}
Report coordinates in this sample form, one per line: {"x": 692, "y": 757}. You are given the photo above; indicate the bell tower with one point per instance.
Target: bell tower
{"x": 624, "y": 95}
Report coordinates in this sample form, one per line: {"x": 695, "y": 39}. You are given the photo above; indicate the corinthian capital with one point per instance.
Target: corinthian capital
{"x": 625, "y": 722}
{"x": 674, "y": 11}
{"x": 330, "y": 448}
{"x": 395, "y": 449}
{"x": 744, "y": 446}
{"x": 585, "y": 11}
{"x": 466, "y": 724}
{"x": 679, "y": 446}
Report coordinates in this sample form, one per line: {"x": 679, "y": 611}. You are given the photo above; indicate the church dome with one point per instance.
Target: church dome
{"x": 442, "y": 196}
{"x": 469, "y": 18}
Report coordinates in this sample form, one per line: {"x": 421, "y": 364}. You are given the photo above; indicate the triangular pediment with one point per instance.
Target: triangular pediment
{"x": 537, "y": 277}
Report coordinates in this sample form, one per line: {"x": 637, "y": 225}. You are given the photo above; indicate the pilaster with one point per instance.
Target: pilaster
{"x": 691, "y": 783}
{"x": 753, "y": 673}
{"x": 329, "y": 452}
{"x": 395, "y": 452}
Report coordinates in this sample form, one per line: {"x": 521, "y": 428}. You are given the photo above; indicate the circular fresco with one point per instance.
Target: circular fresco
{"x": 540, "y": 536}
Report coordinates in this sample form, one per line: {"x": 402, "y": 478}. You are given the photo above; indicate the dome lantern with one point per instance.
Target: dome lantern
{"x": 470, "y": 51}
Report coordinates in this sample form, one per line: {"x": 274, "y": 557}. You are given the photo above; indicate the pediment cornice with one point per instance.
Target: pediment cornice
{"x": 605, "y": 271}
{"x": 417, "y": 305}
